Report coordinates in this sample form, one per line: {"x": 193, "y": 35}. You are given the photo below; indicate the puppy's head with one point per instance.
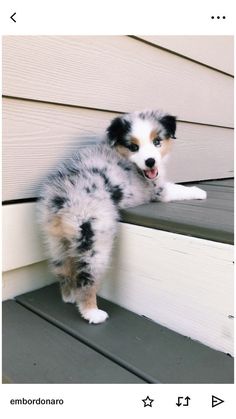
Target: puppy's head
{"x": 144, "y": 138}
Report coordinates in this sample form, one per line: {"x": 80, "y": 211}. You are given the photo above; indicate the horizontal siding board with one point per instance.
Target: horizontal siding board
{"x": 114, "y": 73}
{"x": 201, "y": 152}
{"x": 36, "y": 136}
{"x": 208, "y": 50}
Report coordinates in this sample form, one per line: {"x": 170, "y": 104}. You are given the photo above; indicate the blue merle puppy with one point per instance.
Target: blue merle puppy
{"x": 79, "y": 203}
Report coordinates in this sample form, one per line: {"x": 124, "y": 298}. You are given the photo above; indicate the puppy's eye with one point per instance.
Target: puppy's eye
{"x": 157, "y": 142}
{"x": 133, "y": 147}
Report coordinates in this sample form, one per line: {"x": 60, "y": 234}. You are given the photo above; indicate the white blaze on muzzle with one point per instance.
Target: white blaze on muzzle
{"x": 145, "y": 152}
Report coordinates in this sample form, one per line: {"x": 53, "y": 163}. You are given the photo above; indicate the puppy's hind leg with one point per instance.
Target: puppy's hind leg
{"x": 93, "y": 248}
{"x": 63, "y": 270}
{"x": 78, "y": 279}
{"x": 90, "y": 268}
{"x": 81, "y": 240}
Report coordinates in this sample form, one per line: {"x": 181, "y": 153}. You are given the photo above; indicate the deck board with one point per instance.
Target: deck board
{"x": 149, "y": 350}
{"x": 220, "y": 182}
{"x": 35, "y": 351}
{"x": 211, "y": 219}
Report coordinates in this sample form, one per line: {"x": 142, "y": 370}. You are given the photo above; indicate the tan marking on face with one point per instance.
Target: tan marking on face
{"x": 166, "y": 146}
{"x": 136, "y": 141}
{"x": 123, "y": 151}
{"x": 153, "y": 134}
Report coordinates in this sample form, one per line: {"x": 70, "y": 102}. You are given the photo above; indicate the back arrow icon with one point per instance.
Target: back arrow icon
{"x": 12, "y": 17}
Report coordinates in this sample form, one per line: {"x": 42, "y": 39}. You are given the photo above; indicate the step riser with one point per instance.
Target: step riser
{"x": 182, "y": 282}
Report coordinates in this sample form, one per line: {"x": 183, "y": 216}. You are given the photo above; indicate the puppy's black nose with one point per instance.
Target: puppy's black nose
{"x": 150, "y": 162}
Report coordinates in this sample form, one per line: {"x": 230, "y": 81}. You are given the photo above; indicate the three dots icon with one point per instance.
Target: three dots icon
{"x": 218, "y": 17}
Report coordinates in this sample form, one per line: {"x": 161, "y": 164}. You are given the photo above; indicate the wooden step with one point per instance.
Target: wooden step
{"x": 35, "y": 351}
{"x": 40, "y": 328}
{"x": 210, "y": 219}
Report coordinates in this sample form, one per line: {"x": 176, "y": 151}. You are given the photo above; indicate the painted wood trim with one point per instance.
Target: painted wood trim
{"x": 208, "y": 50}
{"x": 181, "y": 282}
{"x": 98, "y": 72}
{"x": 24, "y": 279}
{"x": 36, "y": 136}
{"x": 21, "y": 236}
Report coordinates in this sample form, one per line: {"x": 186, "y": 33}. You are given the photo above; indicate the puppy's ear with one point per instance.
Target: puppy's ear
{"x": 169, "y": 123}
{"x": 117, "y": 130}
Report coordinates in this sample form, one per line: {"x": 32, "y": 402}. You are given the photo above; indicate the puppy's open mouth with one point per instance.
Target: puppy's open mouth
{"x": 150, "y": 173}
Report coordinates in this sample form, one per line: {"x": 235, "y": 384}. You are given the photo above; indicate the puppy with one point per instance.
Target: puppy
{"x": 79, "y": 204}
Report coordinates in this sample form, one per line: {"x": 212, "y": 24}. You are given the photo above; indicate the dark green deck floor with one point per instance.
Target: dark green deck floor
{"x": 211, "y": 219}
{"x": 46, "y": 341}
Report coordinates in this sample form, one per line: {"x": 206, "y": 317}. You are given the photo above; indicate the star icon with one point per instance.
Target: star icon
{"x": 147, "y": 401}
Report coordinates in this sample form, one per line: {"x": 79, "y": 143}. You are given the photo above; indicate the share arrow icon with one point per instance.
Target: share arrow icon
{"x": 215, "y": 401}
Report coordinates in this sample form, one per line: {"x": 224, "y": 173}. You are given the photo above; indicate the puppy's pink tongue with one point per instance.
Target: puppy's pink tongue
{"x": 151, "y": 174}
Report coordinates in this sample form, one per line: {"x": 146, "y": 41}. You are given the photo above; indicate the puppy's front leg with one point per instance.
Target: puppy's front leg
{"x": 172, "y": 192}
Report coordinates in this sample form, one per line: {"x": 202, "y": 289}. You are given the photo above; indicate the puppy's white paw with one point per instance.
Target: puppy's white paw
{"x": 94, "y": 315}
{"x": 198, "y": 193}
